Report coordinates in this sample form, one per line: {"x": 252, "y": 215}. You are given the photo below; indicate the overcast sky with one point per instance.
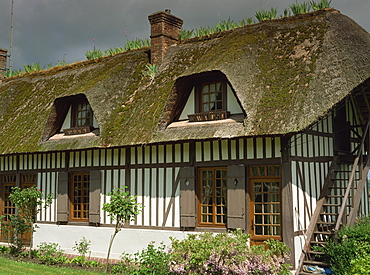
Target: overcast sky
{"x": 46, "y": 31}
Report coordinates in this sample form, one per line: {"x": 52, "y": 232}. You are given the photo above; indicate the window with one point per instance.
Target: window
{"x": 82, "y": 114}
{"x": 79, "y": 196}
{"x": 212, "y": 196}
{"x": 212, "y": 97}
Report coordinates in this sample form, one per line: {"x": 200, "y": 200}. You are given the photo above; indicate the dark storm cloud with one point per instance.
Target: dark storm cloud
{"x": 46, "y": 31}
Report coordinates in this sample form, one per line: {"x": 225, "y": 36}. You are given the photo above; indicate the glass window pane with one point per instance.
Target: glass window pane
{"x": 258, "y": 230}
{"x": 258, "y": 208}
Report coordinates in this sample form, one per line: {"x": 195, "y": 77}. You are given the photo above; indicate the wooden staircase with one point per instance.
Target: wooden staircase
{"x": 338, "y": 203}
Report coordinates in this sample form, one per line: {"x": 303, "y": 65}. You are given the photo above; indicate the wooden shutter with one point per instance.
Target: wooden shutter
{"x": 94, "y": 200}
{"x": 236, "y": 197}
{"x": 188, "y": 201}
{"x": 62, "y": 198}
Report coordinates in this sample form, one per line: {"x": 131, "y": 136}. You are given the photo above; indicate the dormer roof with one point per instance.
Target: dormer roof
{"x": 286, "y": 74}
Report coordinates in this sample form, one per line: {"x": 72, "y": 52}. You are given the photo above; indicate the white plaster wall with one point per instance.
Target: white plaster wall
{"x": 127, "y": 240}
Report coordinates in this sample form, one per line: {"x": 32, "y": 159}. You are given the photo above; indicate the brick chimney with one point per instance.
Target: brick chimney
{"x": 3, "y": 56}
{"x": 165, "y": 29}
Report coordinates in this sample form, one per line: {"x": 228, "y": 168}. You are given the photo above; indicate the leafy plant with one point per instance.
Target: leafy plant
{"x": 4, "y": 249}
{"x": 151, "y": 70}
{"x": 225, "y": 25}
{"x": 14, "y": 226}
{"x": 349, "y": 247}
{"x": 30, "y": 202}
{"x": 32, "y": 67}
{"x": 203, "y": 31}
{"x": 286, "y": 13}
{"x": 266, "y": 15}
{"x": 151, "y": 260}
{"x": 95, "y": 53}
{"x": 300, "y": 8}
{"x": 62, "y": 63}
{"x": 245, "y": 21}
{"x": 50, "y": 253}
{"x": 82, "y": 247}
{"x": 113, "y": 51}
{"x": 137, "y": 44}
{"x": 185, "y": 34}
{"x": 11, "y": 73}
{"x": 322, "y": 4}
{"x": 122, "y": 208}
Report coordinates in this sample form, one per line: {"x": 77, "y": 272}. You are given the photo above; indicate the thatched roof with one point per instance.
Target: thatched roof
{"x": 286, "y": 73}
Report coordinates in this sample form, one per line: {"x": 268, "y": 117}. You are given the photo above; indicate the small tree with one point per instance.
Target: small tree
{"x": 29, "y": 202}
{"x": 122, "y": 208}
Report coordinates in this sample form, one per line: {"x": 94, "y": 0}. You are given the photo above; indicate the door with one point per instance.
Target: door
{"x": 265, "y": 198}
{"x": 7, "y": 207}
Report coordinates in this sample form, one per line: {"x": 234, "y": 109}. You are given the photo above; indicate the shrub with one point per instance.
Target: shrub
{"x": 226, "y": 253}
{"x": 30, "y": 202}
{"x": 14, "y": 226}
{"x": 82, "y": 247}
{"x": 50, "y": 253}
{"x": 361, "y": 264}
{"x": 152, "y": 260}
{"x": 349, "y": 247}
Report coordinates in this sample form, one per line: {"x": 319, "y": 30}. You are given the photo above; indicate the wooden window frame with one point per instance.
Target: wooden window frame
{"x": 201, "y": 94}
{"x": 81, "y": 211}
{"x": 75, "y": 111}
{"x": 214, "y": 206}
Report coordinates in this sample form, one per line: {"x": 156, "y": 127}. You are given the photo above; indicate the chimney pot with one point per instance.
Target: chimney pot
{"x": 165, "y": 30}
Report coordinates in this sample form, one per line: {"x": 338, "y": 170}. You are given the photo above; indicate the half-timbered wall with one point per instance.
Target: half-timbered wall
{"x": 311, "y": 156}
{"x": 151, "y": 172}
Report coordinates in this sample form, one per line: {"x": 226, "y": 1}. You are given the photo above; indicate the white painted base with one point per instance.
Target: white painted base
{"x": 127, "y": 240}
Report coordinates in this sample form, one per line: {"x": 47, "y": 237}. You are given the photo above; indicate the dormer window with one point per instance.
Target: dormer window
{"x": 71, "y": 115}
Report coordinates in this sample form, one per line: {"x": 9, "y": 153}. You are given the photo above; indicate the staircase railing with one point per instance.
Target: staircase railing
{"x": 356, "y": 199}
{"x": 316, "y": 215}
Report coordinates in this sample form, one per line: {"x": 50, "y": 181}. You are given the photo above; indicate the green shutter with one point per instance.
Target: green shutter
{"x": 94, "y": 200}
{"x": 62, "y": 198}
{"x": 188, "y": 201}
{"x": 236, "y": 197}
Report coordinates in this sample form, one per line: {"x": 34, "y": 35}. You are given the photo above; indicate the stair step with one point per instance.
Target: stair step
{"x": 321, "y": 264}
{"x": 323, "y": 232}
{"x": 326, "y": 223}
{"x": 318, "y": 243}
{"x": 315, "y": 252}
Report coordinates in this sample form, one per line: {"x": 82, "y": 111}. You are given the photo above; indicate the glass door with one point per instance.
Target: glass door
{"x": 265, "y": 198}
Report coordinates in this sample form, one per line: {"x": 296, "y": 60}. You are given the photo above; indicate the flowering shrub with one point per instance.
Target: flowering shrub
{"x": 227, "y": 253}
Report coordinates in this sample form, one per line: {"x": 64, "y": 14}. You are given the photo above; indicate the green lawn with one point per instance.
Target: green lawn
{"x": 11, "y": 267}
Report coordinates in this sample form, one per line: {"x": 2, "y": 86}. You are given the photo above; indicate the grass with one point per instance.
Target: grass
{"x": 10, "y": 267}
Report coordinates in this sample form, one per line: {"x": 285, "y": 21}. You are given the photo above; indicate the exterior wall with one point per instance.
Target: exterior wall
{"x": 151, "y": 172}
{"x": 311, "y": 156}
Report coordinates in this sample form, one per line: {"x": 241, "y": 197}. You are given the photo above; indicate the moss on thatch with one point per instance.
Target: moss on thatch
{"x": 286, "y": 74}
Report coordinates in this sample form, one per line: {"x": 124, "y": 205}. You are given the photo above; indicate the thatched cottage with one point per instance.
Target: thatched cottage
{"x": 264, "y": 128}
